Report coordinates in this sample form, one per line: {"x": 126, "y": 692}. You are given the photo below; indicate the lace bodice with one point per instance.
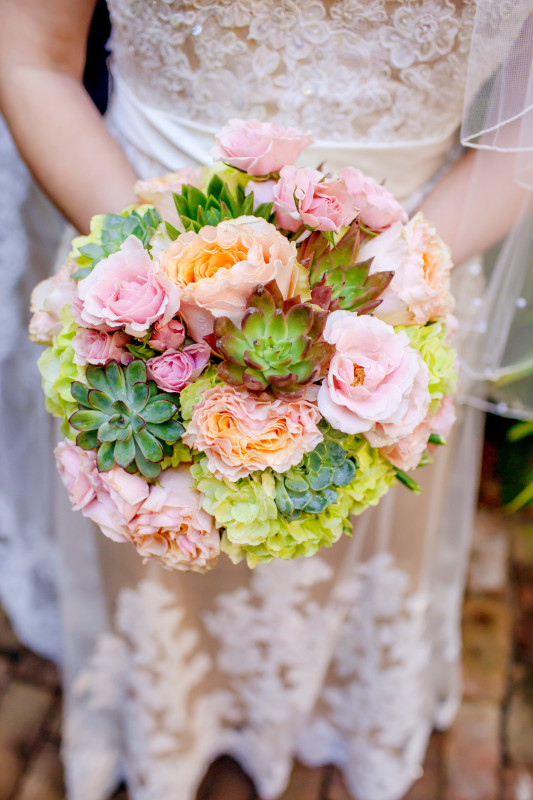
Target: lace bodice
{"x": 351, "y": 70}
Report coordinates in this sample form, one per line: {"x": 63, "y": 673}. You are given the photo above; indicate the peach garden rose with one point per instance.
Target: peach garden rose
{"x": 240, "y": 433}
{"x": 172, "y": 527}
{"x": 420, "y": 288}
{"x": 218, "y": 268}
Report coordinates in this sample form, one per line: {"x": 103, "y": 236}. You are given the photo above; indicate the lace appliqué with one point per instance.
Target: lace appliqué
{"x": 292, "y": 663}
{"x": 352, "y": 70}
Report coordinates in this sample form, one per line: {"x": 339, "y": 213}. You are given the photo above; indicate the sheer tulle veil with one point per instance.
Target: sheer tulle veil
{"x": 498, "y": 116}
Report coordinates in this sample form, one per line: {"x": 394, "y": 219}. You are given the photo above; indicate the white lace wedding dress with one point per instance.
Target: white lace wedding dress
{"x": 349, "y": 657}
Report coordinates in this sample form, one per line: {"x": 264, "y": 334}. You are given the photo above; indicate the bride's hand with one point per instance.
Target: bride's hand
{"x": 58, "y": 130}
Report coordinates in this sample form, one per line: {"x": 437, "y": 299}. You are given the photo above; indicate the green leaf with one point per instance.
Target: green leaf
{"x": 117, "y": 382}
{"x": 139, "y": 394}
{"x": 321, "y": 479}
{"x": 216, "y": 184}
{"x": 82, "y": 272}
{"x": 98, "y": 378}
{"x": 150, "y": 447}
{"x": 107, "y": 433}
{"x": 296, "y": 483}
{"x": 159, "y": 411}
{"x": 264, "y": 210}
{"x": 148, "y": 469}
{"x": 171, "y": 231}
{"x": 316, "y": 504}
{"x": 169, "y": 431}
{"x": 80, "y": 392}
{"x": 344, "y": 474}
{"x": 407, "y": 481}
{"x": 125, "y": 452}
{"x": 277, "y": 325}
{"x": 105, "y": 459}
{"x": 253, "y": 325}
{"x": 434, "y": 438}
{"x": 88, "y": 440}
{"x": 283, "y": 500}
{"x": 136, "y": 372}
{"x": 87, "y": 420}
{"x": 299, "y": 320}
{"x": 101, "y": 401}
{"x": 93, "y": 250}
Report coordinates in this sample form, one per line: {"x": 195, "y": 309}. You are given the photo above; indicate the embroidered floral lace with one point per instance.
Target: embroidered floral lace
{"x": 367, "y": 70}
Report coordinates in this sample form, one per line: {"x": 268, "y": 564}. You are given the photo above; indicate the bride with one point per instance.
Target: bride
{"x": 350, "y": 657}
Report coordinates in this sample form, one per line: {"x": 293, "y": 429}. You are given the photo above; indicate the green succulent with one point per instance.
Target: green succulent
{"x": 114, "y": 231}
{"x": 125, "y": 418}
{"x": 337, "y": 279}
{"x": 218, "y": 203}
{"x": 310, "y": 487}
{"x": 277, "y": 345}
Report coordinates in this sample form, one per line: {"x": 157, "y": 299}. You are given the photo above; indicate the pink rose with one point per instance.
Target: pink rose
{"x": 218, "y": 268}
{"x": 167, "y": 337}
{"x": 172, "y": 527}
{"x": 258, "y": 148}
{"x": 420, "y": 289}
{"x": 375, "y": 379}
{"x": 48, "y": 299}
{"x": 303, "y": 196}
{"x": 441, "y": 422}
{"x": 123, "y": 290}
{"x": 77, "y": 470}
{"x": 378, "y": 208}
{"x": 408, "y": 451}
{"x": 110, "y": 499}
{"x": 158, "y": 192}
{"x": 240, "y": 433}
{"x": 174, "y": 370}
{"x": 98, "y": 347}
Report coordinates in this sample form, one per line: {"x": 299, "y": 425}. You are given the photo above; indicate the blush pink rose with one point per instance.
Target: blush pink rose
{"x": 217, "y": 269}
{"x": 172, "y": 527}
{"x": 158, "y": 192}
{"x": 240, "y": 434}
{"x": 123, "y": 290}
{"x": 98, "y": 347}
{"x": 420, "y": 289}
{"x": 174, "y": 370}
{"x": 167, "y": 337}
{"x": 48, "y": 299}
{"x": 258, "y": 148}
{"x": 408, "y": 451}
{"x": 378, "y": 208}
{"x": 375, "y": 378}
{"x": 78, "y": 472}
{"x": 303, "y": 196}
{"x": 110, "y": 499}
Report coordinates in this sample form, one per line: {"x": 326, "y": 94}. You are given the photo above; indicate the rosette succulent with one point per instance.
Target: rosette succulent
{"x": 310, "y": 487}
{"x": 337, "y": 279}
{"x": 278, "y": 344}
{"x": 114, "y": 231}
{"x": 197, "y": 209}
{"x": 125, "y": 418}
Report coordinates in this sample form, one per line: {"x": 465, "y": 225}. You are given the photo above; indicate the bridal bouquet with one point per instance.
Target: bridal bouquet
{"x": 247, "y": 356}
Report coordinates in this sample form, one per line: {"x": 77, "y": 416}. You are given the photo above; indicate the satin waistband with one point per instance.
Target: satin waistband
{"x": 165, "y": 143}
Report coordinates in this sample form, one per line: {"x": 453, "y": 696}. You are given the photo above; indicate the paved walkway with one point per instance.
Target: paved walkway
{"x": 487, "y": 755}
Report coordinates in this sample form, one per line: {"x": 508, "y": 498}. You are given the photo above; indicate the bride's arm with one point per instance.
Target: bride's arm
{"x": 58, "y": 130}
{"x": 476, "y": 203}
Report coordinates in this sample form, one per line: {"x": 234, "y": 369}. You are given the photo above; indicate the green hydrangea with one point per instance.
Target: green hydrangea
{"x": 191, "y": 395}
{"x": 93, "y": 237}
{"x": 253, "y": 527}
{"x": 181, "y": 454}
{"x": 58, "y": 371}
{"x": 438, "y": 355}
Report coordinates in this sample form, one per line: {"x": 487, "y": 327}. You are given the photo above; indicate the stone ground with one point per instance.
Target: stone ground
{"x": 487, "y": 754}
